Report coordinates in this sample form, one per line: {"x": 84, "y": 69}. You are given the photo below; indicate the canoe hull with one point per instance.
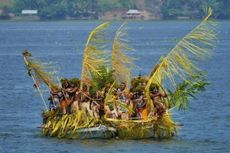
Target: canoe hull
{"x": 100, "y": 132}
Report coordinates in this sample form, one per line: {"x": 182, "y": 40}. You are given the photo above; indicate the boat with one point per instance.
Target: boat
{"x": 99, "y": 132}
{"x": 108, "y": 102}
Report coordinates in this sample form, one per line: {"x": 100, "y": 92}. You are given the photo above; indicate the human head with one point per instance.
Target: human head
{"x": 122, "y": 86}
{"x": 26, "y": 53}
{"x": 154, "y": 88}
{"x": 65, "y": 83}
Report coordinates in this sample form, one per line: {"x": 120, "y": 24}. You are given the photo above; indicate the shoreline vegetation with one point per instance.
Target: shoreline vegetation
{"x": 112, "y": 10}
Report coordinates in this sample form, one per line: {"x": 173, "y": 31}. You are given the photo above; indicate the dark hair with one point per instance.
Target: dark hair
{"x": 26, "y": 53}
{"x": 153, "y": 87}
{"x": 65, "y": 83}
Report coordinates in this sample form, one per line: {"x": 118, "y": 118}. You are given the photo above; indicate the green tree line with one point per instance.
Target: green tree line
{"x": 172, "y": 9}
{"x": 169, "y": 9}
{"x": 59, "y": 9}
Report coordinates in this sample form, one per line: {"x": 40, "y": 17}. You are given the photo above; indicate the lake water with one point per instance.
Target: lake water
{"x": 206, "y": 124}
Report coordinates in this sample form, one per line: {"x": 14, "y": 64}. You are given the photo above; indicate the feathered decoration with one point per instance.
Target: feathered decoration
{"x": 121, "y": 63}
{"x": 179, "y": 63}
{"x": 94, "y": 54}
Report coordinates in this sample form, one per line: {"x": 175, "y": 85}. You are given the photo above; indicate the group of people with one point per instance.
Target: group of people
{"x": 125, "y": 103}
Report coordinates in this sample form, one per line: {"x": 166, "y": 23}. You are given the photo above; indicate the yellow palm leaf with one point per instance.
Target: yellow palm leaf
{"x": 121, "y": 63}
{"x": 38, "y": 71}
{"x": 94, "y": 54}
{"x": 179, "y": 63}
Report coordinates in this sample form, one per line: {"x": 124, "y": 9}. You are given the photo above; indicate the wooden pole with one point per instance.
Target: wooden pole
{"x": 39, "y": 90}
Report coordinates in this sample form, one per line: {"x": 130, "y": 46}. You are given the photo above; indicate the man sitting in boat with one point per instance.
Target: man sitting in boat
{"x": 67, "y": 95}
{"x": 54, "y": 100}
{"x": 104, "y": 110}
{"x": 87, "y": 102}
{"x": 156, "y": 97}
{"x": 138, "y": 99}
{"x": 70, "y": 93}
{"x": 97, "y": 104}
{"x": 123, "y": 96}
{"x": 139, "y": 102}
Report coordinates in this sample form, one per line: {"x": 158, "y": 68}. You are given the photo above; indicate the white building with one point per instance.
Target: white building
{"x": 29, "y": 12}
{"x": 132, "y": 14}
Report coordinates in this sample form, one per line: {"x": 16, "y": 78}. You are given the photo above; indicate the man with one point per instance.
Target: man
{"x": 67, "y": 95}
{"x": 156, "y": 97}
{"x": 54, "y": 100}
{"x": 139, "y": 104}
{"x": 124, "y": 97}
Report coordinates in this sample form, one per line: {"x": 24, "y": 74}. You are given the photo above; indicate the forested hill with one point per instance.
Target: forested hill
{"x": 95, "y": 9}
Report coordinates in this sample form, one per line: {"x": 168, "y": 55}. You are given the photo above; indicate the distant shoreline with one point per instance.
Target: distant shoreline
{"x": 89, "y": 20}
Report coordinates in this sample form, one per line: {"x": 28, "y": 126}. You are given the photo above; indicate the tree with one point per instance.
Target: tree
{"x": 171, "y": 9}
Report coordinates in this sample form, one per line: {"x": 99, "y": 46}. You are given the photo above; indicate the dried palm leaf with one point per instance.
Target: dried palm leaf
{"x": 94, "y": 54}
{"x": 38, "y": 71}
{"x": 121, "y": 63}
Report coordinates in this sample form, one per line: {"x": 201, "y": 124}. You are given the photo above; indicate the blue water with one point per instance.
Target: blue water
{"x": 206, "y": 123}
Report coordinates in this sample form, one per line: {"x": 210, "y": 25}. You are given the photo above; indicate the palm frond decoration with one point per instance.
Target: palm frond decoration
{"x": 111, "y": 100}
{"x": 179, "y": 64}
{"x": 39, "y": 73}
{"x": 99, "y": 82}
{"x": 67, "y": 125}
{"x": 179, "y": 98}
{"x": 109, "y": 96}
{"x": 94, "y": 54}
{"x": 121, "y": 63}
{"x": 136, "y": 129}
